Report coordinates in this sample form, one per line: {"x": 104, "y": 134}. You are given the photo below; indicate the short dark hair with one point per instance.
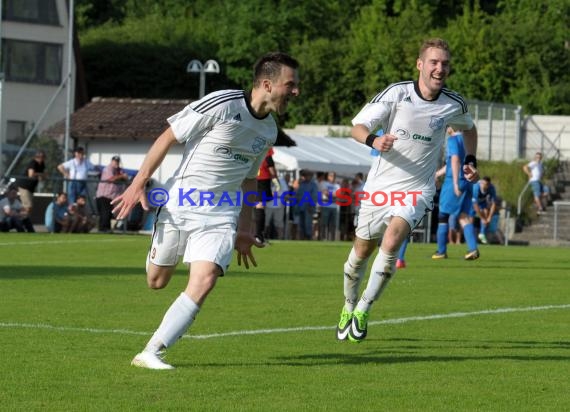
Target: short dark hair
{"x": 269, "y": 66}
{"x": 487, "y": 179}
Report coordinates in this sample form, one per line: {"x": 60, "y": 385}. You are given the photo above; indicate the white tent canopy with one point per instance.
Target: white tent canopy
{"x": 345, "y": 156}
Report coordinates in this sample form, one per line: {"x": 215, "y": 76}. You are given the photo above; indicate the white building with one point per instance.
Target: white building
{"x": 34, "y": 60}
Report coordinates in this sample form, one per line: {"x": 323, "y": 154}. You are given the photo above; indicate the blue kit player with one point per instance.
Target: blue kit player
{"x": 455, "y": 198}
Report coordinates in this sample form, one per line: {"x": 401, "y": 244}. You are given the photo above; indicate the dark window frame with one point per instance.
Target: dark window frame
{"x": 47, "y": 13}
{"x": 41, "y": 56}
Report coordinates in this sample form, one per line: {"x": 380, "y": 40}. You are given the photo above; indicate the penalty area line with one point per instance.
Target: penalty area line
{"x": 14, "y": 325}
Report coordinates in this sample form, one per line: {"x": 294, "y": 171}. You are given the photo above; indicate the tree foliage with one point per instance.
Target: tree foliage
{"x": 509, "y": 51}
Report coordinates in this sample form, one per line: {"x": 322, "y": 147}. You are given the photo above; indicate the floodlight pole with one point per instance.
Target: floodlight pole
{"x": 68, "y": 80}
{"x": 1, "y": 92}
{"x": 196, "y": 66}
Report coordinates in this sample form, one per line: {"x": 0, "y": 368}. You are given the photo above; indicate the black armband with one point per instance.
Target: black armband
{"x": 471, "y": 160}
{"x": 370, "y": 140}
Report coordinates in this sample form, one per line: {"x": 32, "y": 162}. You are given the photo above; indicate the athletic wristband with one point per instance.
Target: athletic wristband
{"x": 471, "y": 160}
{"x": 370, "y": 140}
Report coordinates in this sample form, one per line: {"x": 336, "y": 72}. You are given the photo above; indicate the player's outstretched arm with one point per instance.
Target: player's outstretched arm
{"x": 135, "y": 193}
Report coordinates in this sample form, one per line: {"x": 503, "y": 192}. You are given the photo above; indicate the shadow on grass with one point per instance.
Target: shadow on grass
{"x": 37, "y": 272}
{"x": 408, "y": 352}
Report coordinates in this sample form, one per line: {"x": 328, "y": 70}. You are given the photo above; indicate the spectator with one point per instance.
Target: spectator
{"x": 346, "y": 213}
{"x": 80, "y": 220}
{"x": 33, "y": 175}
{"x": 76, "y": 170}
{"x": 265, "y": 176}
{"x": 275, "y": 210}
{"x": 535, "y": 170}
{"x": 13, "y": 215}
{"x": 111, "y": 186}
{"x": 57, "y": 216}
{"x": 329, "y": 208}
{"x": 306, "y": 201}
{"x": 293, "y": 215}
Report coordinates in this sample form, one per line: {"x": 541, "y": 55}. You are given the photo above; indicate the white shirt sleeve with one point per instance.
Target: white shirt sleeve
{"x": 188, "y": 123}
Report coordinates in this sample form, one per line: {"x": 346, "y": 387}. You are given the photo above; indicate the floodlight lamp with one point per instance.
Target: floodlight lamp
{"x": 195, "y": 66}
{"x": 211, "y": 66}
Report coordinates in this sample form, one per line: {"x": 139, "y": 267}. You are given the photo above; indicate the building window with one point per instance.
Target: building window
{"x": 31, "y": 11}
{"x": 32, "y": 62}
{"x": 15, "y": 132}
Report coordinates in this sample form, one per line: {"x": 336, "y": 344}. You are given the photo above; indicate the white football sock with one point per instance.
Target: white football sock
{"x": 354, "y": 270}
{"x": 382, "y": 269}
{"x": 175, "y": 322}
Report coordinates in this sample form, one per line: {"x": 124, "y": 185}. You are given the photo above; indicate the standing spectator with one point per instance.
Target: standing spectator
{"x": 420, "y": 109}
{"x": 293, "y": 216}
{"x": 76, "y": 170}
{"x": 265, "y": 176}
{"x": 57, "y": 214}
{"x": 13, "y": 215}
{"x": 33, "y": 175}
{"x": 346, "y": 213}
{"x": 535, "y": 170}
{"x": 80, "y": 219}
{"x": 305, "y": 204}
{"x": 275, "y": 210}
{"x": 329, "y": 208}
{"x": 484, "y": 205}
{"x": 111, "y": 186}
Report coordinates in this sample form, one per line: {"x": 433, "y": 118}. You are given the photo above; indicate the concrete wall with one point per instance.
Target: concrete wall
{"x": 545, "y": 134}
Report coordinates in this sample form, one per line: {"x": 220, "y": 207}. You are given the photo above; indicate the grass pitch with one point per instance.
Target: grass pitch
{"x": 450, "y": 335}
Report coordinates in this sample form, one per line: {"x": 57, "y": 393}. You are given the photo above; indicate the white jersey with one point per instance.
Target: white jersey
{"x": 225, "y": 143}
{"x": 536, "y": 170}
{"x": 420, "y": 126}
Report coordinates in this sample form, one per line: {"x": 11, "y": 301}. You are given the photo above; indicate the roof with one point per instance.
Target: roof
{"x": 345, "y": 156}
{"x": 119, "y": 118}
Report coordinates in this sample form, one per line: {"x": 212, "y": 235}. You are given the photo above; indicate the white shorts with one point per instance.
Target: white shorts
{"x": 209, "y": 240}
{"x": 373, "y": 220}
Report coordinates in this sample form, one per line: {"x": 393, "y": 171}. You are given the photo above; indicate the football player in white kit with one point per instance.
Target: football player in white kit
{"x": 226, "y": 135}
{"x": 401, "y": 183}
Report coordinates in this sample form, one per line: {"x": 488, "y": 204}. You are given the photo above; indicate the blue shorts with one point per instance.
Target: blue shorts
{"x": 454, "y": 205}
{"x": 537, "y": 188}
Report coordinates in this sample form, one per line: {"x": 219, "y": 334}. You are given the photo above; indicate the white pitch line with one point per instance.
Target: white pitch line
{"x": 14, "y": 325}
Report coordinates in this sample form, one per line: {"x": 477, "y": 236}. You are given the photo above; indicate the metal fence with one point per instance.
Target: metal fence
{"x": 500, "y": 130}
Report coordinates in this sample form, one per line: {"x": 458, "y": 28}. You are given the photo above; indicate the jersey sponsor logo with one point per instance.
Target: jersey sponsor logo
{"x": 402, "y": 134}
{"x": 408, "y": 99}
{"x": 436, "y": 122}
{"x": 241, "y": 158}
{"x": 416, "y": 136}
{"x": 237, "y": 118}
{"x": 223, "y": 151}
{"x": 258, "y": 145}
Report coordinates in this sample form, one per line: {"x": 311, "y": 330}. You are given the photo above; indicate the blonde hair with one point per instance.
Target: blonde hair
{"x": 435, "y": 42}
